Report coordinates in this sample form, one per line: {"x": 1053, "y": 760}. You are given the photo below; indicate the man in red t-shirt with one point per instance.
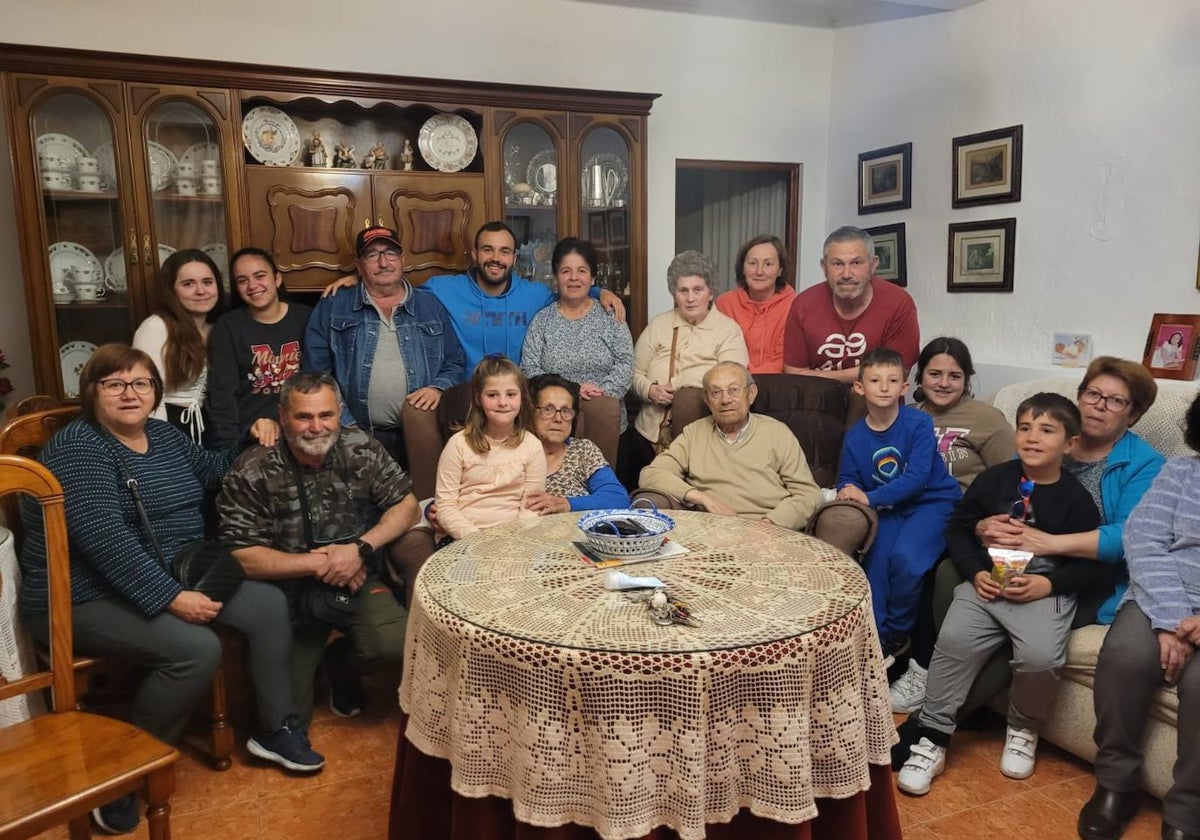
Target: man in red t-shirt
{"x": 832, "y": 325}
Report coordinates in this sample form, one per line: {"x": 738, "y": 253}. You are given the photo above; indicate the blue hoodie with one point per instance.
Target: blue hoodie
{"x": 490, "y": 324}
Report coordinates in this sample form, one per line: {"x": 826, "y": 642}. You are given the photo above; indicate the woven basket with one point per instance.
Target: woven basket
{"x": 601, "y": 532}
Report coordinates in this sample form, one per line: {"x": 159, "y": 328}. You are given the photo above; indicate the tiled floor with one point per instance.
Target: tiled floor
{"x": 349, "y": 799}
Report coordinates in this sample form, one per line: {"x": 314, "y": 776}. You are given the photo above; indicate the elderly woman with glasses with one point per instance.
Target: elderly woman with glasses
{"x": 578, "y": 477}
{"x": 126, "y": 603}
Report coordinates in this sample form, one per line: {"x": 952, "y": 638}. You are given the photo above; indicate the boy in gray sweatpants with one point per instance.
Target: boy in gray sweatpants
{"x": 1034, "y": 610}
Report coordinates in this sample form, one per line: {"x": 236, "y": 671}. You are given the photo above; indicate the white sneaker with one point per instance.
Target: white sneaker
{"x": 926, "y": 761}
{"x": 908, "y": 692}
{"x": 1019, "y": 747}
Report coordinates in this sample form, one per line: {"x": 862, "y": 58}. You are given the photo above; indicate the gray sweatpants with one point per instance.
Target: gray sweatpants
{"x": 973, "y": 630}
{"x": 1127, "y": 675}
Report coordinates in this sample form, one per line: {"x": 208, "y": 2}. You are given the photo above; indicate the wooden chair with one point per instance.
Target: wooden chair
{"x": 25, "y": 435}
{"x": 58, "y": 767}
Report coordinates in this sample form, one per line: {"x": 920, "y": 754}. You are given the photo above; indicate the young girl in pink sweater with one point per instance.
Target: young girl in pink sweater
{"x": 487, "y": 470}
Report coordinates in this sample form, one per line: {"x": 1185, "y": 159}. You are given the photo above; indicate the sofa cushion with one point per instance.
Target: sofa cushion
{"x": 1083, "y": 650}
{"x": 815, "y": 409}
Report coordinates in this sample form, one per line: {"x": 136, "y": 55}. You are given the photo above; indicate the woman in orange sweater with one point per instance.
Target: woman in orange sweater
{"x": 761, "y": 302}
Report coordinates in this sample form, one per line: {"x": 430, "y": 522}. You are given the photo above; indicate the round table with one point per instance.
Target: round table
{"x": 540, "y": 686}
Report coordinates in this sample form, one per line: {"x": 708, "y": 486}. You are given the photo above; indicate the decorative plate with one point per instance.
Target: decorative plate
{"x": 448, "y": 142}
{"x": 543, "y": 172}
{"x": 71, "y": 256}
{"x": 107, "y": 164}
{"x": 63, "y": 146}
{"x": 270, "y": 136}
{"x": 614, "y": 178}
{"x": 220, "y": 255}
{"x": 195, "y": 156}
{"x": 164, "y": 251}
{"x": 74, "y": 355}
{"x": 114, "y": 271}
{"x": 162, "y": 165}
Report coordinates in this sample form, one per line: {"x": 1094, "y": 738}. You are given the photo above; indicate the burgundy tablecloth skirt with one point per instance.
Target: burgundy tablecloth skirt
{"x": 425, "y": 808}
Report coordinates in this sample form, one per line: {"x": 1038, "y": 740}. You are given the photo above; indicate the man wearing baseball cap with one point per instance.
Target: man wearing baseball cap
{"x": 383, "y": 343}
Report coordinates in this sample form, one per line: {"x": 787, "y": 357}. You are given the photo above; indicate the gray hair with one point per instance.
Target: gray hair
{"x": 738, "y": 366}
{"x": 691, "y": 264}
{"x": 849, "y": 233}
{"x": 307, "y": 382}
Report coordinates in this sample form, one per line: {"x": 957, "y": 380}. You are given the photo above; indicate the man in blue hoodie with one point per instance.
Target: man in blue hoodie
{"x": 490, "y": 306}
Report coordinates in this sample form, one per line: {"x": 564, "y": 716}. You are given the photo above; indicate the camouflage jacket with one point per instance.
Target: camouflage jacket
{"x": 259, "y": 503}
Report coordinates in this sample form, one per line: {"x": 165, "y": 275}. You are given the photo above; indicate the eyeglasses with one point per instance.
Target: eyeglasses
{"x": 734, "y": 391}
{"x": 1022, "y": 508}
{"x": 1114, "y": 402}
{"x": 387, "y": 254}
{"x": 548, "y": 411}
{"x": 115, "y": 387}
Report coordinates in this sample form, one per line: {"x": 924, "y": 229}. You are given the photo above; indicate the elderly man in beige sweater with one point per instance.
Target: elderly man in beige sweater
{"x": 735, "y": 463}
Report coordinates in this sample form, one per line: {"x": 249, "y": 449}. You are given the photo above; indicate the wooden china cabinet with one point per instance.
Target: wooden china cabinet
{"x": 122, "y": 159}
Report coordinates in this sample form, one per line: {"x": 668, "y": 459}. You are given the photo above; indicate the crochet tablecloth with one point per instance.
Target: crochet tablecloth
{"x": 539, "y": 685}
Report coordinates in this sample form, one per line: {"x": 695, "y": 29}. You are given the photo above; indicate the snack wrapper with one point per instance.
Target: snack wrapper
{"x": 1008, "y": 563}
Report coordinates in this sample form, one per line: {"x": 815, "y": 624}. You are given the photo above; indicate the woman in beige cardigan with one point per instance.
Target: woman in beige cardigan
{"x": 677, "y": 348}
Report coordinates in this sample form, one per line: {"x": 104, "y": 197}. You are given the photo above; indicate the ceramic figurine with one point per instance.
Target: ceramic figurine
{"x": 378, "y": 156}
{"x": 406, "y": 156}
{"x": 343, "y": 156}
{"x": 316, "y": 151}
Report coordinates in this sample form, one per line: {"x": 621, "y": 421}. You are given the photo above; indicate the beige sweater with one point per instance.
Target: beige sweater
{"x": 717, "y": 338}
{"x": 763, "y": 474}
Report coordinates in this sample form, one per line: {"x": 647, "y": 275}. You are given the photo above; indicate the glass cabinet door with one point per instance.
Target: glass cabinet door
{"x": 81, "y": 205}
{"x": 184, "y": 173}
{"x": 605, "y": 205}
{"x": 531, "y": 197}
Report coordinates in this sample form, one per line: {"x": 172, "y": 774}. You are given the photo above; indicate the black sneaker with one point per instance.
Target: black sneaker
{"x": 119, "y": 816}
{"x": 346, "y": 697}
{"x": 287, "y": 746}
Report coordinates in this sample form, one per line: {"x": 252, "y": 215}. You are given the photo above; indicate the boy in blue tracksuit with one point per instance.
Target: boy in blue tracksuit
{"x": 890, "y": 462}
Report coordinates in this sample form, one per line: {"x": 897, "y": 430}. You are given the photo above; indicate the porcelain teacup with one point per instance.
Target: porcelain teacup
{"x": 88, "y": 183}
{"x": 88, "y": 166}
{"x": 88, "y": 291}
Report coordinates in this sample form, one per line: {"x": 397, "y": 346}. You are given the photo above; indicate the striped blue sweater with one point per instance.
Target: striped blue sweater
{"x": 1162, "y": 546}
{"x": 110, "y": 553}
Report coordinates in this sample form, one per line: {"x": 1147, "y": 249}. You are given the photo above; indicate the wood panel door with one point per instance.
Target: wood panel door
{"x": 436, "y": 215}
{"x": 308, "y": 219}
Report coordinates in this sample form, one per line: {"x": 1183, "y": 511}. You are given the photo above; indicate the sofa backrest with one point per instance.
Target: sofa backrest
{"x": 817, "y": 410}
{"x": 1161, "y": 427}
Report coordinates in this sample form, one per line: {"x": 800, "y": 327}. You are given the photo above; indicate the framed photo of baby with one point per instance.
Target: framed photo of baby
{"x": 1173, "y": 346}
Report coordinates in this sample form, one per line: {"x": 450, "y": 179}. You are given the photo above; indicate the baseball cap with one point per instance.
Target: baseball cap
{"x": 376, "y": 233}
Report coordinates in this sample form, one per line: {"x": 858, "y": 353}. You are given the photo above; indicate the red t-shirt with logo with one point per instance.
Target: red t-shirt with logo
{"x": 816, "y": 337}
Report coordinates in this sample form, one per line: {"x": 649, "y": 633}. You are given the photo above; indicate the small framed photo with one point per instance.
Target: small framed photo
{"x": 1071, "y": 350}
{"x": 520, "y": 227}
{"x": 1173, "y": 346}
{"x": 597, "y": 229}
{"x": 987, "y": 167}
{"x": 980, "y": 256}
{"x": 618, "y": 227}
{"x": 885, "y": 179}
{"x": 890, "y": 248}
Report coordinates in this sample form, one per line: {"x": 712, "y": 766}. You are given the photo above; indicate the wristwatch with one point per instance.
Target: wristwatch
{"x": 365, "y": 550}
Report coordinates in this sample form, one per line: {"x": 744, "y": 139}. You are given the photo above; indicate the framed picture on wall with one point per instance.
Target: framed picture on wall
{"x": 597, "y": 229}
{"x": 987, "y": 167}
{"x": 980, "y": 256}
{"x": 890, "y": 248}
{"x": 1173, "y": 346}
{"x": 885, "y": 179}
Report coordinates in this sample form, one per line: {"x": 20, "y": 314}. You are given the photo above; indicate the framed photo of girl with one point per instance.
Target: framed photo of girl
{"x": 1173, "y": 346}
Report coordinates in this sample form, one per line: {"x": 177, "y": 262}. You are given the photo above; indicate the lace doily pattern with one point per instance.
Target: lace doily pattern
{"x": 540, "y": 686}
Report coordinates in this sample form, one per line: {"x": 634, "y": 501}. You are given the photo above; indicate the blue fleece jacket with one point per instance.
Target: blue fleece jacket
{"x": 486, "y": 324}
{"x": 899, "y": 466}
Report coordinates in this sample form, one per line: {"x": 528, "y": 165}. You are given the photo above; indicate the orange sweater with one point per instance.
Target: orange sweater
{"x": 762, "y": 324}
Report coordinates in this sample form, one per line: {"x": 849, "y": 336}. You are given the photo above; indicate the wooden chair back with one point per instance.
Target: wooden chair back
{"x": 25, "y": 435}
{"x": 23, "y": 476}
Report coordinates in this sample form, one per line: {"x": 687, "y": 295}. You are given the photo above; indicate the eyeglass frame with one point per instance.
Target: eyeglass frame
{"x": 734, "y": 391}
{"x": 546, "y": 412}
{"x": 1098, "y": 399}
{"x": 106, "y": 386}
{"x": 388, "y": 254}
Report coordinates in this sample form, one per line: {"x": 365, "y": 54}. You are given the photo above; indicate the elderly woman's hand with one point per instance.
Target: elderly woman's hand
{"x": 1001, "y": 531}
{"x": 661, "y": 394}
{"x": 1189, "y": 630}
{"x": 590, "y": 390}
{"x": 194, "y": 607}
{"x": 542, "y": 503}
{"x": 1173, "y": 655}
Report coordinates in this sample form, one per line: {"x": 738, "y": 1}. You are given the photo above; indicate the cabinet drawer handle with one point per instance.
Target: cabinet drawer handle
{"x": 133, "y": 254}
{"x": 146, "y": 249}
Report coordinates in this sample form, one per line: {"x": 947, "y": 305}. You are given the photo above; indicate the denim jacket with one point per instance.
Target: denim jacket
{"x": 341, "y": 338}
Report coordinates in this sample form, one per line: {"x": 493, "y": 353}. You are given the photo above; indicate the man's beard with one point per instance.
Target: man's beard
{"x": 314, "y": 446}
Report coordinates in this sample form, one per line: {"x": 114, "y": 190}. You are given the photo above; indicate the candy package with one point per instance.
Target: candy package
{"x": 1008, "y": 563}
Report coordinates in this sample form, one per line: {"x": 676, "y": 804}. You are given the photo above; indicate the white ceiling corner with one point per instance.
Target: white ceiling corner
{"x": 824, "y": 14}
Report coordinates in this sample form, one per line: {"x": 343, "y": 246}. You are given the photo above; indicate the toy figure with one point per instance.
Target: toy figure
{"x": 316, "y": 151}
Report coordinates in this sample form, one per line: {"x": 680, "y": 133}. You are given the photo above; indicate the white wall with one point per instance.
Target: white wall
{"x": 730, "y": 89}
{"x": 1108, "y": 223}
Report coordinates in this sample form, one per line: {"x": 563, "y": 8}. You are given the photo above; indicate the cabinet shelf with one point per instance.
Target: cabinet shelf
{"x": 186, "y": 199}
{"x": 76, "y": 306}
{"x": 79, "y": 195}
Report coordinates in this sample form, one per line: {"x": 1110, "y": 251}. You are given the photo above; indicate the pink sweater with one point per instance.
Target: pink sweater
{"x": 477, "y": 491}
